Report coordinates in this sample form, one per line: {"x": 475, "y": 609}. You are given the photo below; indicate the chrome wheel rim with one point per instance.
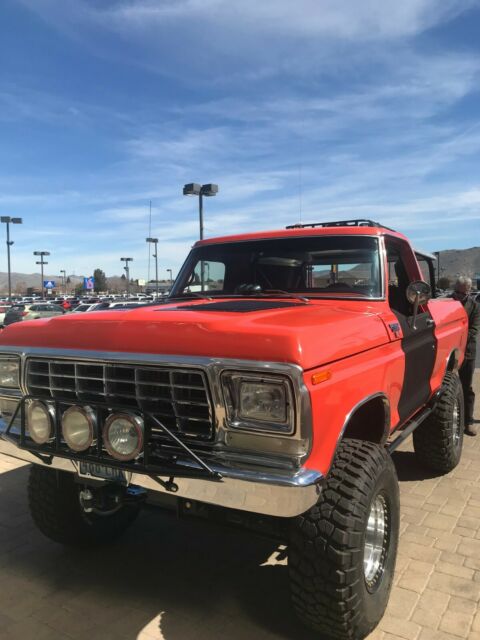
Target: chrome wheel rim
{"x": 456, "y": 424}
{"x": 376, "y": 534}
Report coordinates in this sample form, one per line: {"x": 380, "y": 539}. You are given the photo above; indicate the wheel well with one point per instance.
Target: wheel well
{"x": 370, "y": 421}
{"x": 452, "y": 364}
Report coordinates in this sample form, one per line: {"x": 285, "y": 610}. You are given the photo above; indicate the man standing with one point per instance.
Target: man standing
{"x": 463, "y": 287}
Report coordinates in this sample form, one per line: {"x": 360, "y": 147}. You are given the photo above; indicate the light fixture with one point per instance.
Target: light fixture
{"x": 200, "y": 190}
{"x": 78, "y": 427}
{"x": 123, "y": 436}
{"x": 8, "y": 220}
{"x": 39, "y": 422}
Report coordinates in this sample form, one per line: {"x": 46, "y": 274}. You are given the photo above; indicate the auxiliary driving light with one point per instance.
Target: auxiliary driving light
{"x": 79, "y": 427}
{"x": 123, "y": 435}
{"x": 39, "y": 422}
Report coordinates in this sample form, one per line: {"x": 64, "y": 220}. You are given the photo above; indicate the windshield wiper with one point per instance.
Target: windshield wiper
{"x": 188, "y": 296}
{"x": 284, "y": 294}
{"x": 255, "y": 290}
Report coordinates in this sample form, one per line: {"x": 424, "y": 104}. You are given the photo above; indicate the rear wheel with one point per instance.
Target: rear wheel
{"x": 438, "y": 441}
{"x": 55, "y": 506}
{"x": 342, "y": 552}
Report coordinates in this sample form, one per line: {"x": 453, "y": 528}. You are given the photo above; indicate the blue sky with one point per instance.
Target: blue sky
{"x": 306, "y": 110}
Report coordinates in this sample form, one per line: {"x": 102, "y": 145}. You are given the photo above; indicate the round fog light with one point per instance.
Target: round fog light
{"x": 39, "y": 422}
{"x": 78, "y": 427}
{"x": 123, "y": 436}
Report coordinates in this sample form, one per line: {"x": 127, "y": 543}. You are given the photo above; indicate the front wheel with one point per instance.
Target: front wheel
{"x": 342, "y": 551}
{"x": 438, "y": 441}
{"x": 55, "y": 506}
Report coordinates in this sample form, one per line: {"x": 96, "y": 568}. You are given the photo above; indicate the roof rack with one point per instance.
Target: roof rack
{"x": 360, "y": 222}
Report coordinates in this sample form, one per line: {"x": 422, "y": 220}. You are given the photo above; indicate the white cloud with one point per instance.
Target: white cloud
{"x": 220, "y": 42}
{"x": 350, "y": 19}
{"x": 361, "y": 123}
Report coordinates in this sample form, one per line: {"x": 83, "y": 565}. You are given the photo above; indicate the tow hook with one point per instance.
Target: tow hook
{"x": 86, "y": 500}
{"x": 109, "y": 499}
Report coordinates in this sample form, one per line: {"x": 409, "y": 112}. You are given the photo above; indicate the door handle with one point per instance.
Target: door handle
{"x": 430, "y": 322}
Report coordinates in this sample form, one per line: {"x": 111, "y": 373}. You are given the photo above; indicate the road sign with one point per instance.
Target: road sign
{"x": 49, "y": 284}
{"x": 89, "y": 283}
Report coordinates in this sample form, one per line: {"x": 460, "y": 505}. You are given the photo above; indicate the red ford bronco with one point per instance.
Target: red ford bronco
{"x": 269, "y": 390}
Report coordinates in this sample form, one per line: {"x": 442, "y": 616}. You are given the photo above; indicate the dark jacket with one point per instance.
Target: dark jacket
{"x": 472, "y": 310}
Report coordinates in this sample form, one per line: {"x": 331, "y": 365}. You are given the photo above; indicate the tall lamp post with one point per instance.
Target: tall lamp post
{"x": 42, "y": 262}
{"x": 200, "y": 190}
{"x": 154, "y": 241}
{"x": 127, "y": 271}
{"x": 64, "y": 281}
{"x": 7, "y": 220}
{"x": 171, "y": 277}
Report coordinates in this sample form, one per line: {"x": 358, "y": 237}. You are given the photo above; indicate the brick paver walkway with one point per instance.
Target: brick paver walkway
{"x": 195, "y": 581}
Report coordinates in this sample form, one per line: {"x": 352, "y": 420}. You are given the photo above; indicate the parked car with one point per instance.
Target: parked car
{"x": 3, "y": 310}
{"x": 124, "y": 305}
{"x": 43, "y": 310}
{"x": 81, "y": 308}
{"x": 14, "y": 314}
{"x": 99, "y": 306}
{"x": 271, "y": 401}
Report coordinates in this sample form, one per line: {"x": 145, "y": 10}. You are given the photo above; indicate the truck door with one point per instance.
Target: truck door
{"x": 418, "y": 344}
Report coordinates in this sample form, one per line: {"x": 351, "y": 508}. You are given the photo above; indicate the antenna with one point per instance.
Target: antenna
{"x": 300, "y": 166}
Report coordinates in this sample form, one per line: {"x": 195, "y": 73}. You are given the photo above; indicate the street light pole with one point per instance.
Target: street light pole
{"x": 154, "y": 241}
{"x": 7, "y": 220}
{"x": 127, "y": 271}
{"x": 64, "y": 279}
{"x": 171, "y": 277}
{"x": 42, "y": 263}
{"x": 200, "y": 190}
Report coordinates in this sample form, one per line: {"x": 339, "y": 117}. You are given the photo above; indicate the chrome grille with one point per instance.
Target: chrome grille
{"x": 177, "y": 397}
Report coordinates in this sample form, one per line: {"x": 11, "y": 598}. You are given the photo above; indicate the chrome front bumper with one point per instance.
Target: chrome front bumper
{"x": 264, "y": 493}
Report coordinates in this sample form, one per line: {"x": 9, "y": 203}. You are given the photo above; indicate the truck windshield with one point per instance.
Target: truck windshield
{"x": 333, "y": 266}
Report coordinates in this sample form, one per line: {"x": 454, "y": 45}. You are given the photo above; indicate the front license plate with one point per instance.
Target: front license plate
{"x": 102, "y": 472}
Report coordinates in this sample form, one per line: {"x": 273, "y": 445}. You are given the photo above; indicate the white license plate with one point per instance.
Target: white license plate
{"x": 102, "y": 472}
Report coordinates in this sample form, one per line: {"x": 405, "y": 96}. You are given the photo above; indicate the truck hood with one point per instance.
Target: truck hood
{"x": 250, "y": 329}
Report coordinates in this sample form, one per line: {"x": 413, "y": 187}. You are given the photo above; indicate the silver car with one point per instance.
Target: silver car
{"x": 36, "y": 311}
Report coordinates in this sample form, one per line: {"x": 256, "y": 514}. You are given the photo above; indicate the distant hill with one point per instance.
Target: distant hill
{"x": 455, "y": 262}
{"x": 22, "y": 281}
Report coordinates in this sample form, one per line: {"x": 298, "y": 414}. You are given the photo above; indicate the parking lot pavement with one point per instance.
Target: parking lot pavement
{"x": 182, "y": 580}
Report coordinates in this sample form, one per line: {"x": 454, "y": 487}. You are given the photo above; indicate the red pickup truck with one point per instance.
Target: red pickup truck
{"x": 268, "y": 390}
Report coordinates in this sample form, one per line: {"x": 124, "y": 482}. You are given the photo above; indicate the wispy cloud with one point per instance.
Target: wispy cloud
{"x": 315, "y": 109}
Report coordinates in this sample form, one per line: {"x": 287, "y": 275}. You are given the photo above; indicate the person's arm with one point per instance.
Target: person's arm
{"x": 474, "y": 327}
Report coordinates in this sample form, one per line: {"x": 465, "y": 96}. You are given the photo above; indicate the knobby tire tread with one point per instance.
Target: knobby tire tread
{"x": 433, "y": 439}
{"x": 55, "y": 509}
{"x": 326, "y": 553}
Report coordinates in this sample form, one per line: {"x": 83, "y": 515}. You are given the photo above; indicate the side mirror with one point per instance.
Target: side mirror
{"x": 418, "y": 293}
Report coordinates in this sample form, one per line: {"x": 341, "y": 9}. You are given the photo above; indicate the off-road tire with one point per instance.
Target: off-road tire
{"x": 329, "y": 585}
{"x": 53, "y": 498}
{"x": 438, "y": 441}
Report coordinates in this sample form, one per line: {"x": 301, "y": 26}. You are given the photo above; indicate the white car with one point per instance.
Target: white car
{"x": 82, "y": 308}
{"x": 124, "y": 305}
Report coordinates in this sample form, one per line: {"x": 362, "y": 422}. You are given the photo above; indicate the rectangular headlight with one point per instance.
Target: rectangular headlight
{"x": 262, "y": 403}
{"x": 10, "y": 372}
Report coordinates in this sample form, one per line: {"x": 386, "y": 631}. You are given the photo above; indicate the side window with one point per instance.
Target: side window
{"x": 428, "y": 271}
{"x": 213, "y": 277}
{"x": 398, "y": 279}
